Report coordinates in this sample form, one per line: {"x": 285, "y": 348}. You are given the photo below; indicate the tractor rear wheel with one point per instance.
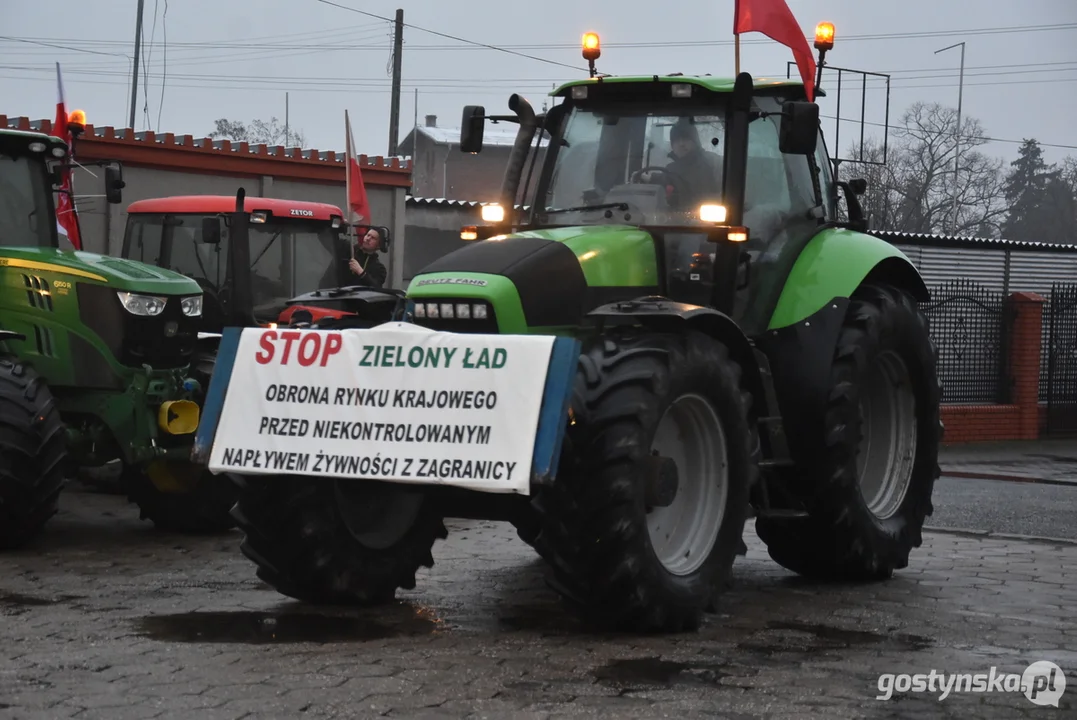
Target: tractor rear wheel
{"x": 33, "y": 454}
{"x": 870, "y": 495}
{"x": 645, "y": 519}
{"x": 179, "y": 496}
{"x": 336, "y": 542}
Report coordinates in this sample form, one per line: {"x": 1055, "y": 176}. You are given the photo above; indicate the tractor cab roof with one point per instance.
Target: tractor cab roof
{"x": 706, "y": 83}
{"x": 206, "y": 204}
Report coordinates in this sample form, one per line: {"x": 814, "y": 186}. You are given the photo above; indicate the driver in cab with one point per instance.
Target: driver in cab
{"x": 695, "y": 173}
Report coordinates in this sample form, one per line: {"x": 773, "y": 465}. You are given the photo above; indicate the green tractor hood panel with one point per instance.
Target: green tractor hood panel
{"x": 115, "y": 272}
{"x": 558, "y": 273}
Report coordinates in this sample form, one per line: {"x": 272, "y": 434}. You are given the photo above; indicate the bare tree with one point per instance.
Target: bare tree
{"x": 258, "y": 132}
{"x": 914, "y": 191}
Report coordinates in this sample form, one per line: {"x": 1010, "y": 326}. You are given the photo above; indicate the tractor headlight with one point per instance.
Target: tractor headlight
{"x": 192, "y": 306}
{"x": 146, "y": 305}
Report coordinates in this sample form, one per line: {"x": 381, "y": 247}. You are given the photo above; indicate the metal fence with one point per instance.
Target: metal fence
{"x": 1058, "y": 380}
{"x": 971, "y": 326}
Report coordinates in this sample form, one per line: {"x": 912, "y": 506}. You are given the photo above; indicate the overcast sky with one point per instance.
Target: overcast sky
{"x": 208, "y": 59}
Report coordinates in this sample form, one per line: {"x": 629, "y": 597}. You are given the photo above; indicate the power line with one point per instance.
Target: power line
{"x": 1004, "y": 30}
{"x": 454, "y": 37}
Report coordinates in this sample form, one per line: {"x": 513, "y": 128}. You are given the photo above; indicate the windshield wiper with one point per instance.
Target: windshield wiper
{"x": 603, "y": 206}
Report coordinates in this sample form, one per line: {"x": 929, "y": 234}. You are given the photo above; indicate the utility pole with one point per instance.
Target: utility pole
{"x": 286, "y": 136}
{"x": 394, "y": 107}
{"x": 957, "y": 133}
{"x": 134, "y": 75}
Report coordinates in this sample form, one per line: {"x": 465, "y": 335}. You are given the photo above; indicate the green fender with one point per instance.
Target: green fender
{"x": 834, "y": 264}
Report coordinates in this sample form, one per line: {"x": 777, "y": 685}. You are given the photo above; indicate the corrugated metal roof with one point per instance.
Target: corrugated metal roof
{"x": 958, "y": 241}
{"x": 497, "y": 135}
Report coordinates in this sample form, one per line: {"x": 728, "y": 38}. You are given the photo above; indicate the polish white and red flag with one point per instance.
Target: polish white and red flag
{"x": 67, "y": 222}
{"x": 358, "y": 205}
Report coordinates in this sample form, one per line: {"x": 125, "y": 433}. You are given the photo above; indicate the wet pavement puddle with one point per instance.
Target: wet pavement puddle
{"x": 634, "y": 672}
{"x": 267, "y": 627}
{"x": 19, "y": 600}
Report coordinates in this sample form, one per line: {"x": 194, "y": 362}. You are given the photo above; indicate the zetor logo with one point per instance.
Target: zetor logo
{"x": 303, "y": 213}
{"x": 315, "y": 346}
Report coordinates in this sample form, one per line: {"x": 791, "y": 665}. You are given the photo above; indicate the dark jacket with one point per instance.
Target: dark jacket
{"x": 701, "y": 175}
{"x": 375, "y": 273}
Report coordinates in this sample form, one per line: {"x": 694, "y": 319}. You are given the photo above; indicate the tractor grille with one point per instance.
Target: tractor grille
{"x": 162, "y": 341}
{"x": 37, "y": 292}
{"x": 459, "y": 315}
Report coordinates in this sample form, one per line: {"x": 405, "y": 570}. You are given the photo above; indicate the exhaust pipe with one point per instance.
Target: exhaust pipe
{"x": 515, "y": 167}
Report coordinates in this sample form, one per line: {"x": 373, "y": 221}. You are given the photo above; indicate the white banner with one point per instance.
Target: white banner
{"x": 397, "y": 402}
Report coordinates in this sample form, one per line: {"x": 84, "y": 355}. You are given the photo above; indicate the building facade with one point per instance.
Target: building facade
{"x": 441, "y": 170}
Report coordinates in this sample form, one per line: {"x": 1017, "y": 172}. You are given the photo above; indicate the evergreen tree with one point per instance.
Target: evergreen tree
{"x": 1025, "y": 190}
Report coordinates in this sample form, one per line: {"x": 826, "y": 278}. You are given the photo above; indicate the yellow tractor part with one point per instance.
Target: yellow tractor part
{"x": 178, "y": 417}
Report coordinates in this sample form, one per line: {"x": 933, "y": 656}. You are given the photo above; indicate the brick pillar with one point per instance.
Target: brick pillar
{"x": 1025, "y": 350}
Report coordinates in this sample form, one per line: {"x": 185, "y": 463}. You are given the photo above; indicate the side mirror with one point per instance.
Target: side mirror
{"x": 211, "y": 230}
{"x": 114, "y": 184}
{"x": 799, "y": 131}
{"x": 858, "y": 185}
{"x": 471, "y": 128}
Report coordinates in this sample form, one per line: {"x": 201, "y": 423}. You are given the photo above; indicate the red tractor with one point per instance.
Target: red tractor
{"x": 297, "y": 255}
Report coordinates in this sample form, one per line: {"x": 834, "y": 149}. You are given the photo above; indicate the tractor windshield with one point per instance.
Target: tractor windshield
{"x": 288, "y": 257}
{"x": 655, "y": 165}
{"x": 26, "y": 209}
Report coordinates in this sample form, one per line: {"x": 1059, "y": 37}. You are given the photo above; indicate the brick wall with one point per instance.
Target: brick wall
{"x": 1021, "y": 418}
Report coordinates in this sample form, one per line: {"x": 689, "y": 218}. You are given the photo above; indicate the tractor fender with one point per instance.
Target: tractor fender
{"x": 833, "y": 265}
{"x": 667, "y": 315}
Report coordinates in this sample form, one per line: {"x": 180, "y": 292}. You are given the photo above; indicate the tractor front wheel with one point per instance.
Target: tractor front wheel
{"x": 33, "y": 454}
{"x": 645, "y": 519}
{"x": 336, "y": 542}
{"x": 869, "y": 496}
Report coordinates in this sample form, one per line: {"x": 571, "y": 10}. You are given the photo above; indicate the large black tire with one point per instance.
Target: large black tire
{"x": 301, "y": 533}
{"x": 198, "y": 502}
{"x": 593, "y": 521}
{"x": 33, "y": 454}
{"x": 842, "y": 538}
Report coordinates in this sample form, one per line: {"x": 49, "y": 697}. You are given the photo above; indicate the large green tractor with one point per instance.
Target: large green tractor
{"x": 744, "y": 351}
{"x": 99, "y": 361}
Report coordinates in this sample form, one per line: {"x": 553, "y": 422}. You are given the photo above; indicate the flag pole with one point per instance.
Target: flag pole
{"x": 736, "y": 52}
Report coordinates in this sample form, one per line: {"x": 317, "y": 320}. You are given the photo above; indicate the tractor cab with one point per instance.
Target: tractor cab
{"x": 27, "y": 211}
{"x": 292, "y": 248}
{"x": 723, "y": 181}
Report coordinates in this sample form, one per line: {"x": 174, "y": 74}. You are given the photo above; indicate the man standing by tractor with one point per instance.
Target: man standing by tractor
{"x": 367, "y": 266}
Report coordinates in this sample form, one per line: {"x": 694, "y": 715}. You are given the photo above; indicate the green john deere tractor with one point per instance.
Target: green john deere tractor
{"x": 99, "y": 361}
{"x": 744, "y": 350}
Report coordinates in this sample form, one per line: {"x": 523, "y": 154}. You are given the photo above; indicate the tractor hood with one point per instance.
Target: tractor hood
{"x": 559, "y": 273}
{"x": 101, "y": 269}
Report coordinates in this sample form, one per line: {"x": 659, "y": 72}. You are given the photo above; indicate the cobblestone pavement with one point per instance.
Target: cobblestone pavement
{"x": 110, "y": 619}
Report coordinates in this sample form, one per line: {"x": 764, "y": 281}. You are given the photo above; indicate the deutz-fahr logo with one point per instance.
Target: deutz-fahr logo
{"x": 303, "y": 213}
{"x": 452, "y": 281}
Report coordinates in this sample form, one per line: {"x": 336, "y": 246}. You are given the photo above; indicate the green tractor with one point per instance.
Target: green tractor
{"x": 745, "y": 352}
{"x": 99, "y": 362}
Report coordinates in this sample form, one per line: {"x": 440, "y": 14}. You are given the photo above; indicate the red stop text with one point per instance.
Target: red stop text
{"x": 307, "y": 348}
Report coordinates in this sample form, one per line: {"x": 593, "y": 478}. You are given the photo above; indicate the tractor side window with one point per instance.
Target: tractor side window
{"x": 779, "y": 196}
{"x": 24, "y": 215}
{"x": 270, "y": 285}
{"x": 826, "y": 178}
{"x": 143, "y": 241}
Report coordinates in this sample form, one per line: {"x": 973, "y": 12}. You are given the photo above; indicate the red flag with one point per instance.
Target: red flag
{"x": 67, "y": 222}
{"x": 774, "y": 19}
{"x": 358, "y": 205}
